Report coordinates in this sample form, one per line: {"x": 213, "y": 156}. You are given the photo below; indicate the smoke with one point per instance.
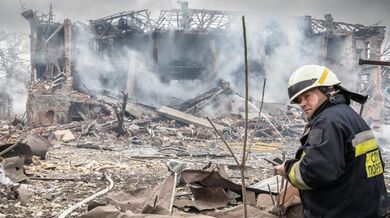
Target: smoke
{"x": 384, "y": 135}
{"x": 14, "y": 69}
{"x": 276, "y": 47}
{"x": 91, "y": 66}
{"x": 128, "y": 69}
{"x": 151, "y": 90}
{"x": 383, "y": 138}
{"x": 291, "y": 50}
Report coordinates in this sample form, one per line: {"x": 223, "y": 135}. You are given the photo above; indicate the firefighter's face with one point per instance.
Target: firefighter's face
{"x": 309, "y": 102}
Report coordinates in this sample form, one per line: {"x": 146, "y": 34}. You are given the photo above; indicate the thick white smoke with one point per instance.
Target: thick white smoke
{"x": 15, "y": 69}
{"x": 99, "y": 72}
{"x": 276, "y": 47}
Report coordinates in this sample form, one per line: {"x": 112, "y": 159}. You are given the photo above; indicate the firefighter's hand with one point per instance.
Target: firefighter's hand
{"x": 279, "y": 170}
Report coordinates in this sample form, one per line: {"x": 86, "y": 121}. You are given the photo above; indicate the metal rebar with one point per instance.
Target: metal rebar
{"x": 284, "y": 196}
{"x": 277, "y": 188}
{"x": 224, "y": 141}
{"x": 258, "y": 119}
{"x": 270, "y": 194}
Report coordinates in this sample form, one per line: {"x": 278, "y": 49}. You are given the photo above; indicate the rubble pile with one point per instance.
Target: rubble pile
{"x": 49, "y": 168}
{"x": 219, "y": 102}
{"x": 119, "y": 158}
{"x": 47, "y": 86}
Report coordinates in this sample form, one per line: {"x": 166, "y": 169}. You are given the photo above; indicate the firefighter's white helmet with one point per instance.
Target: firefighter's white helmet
{"x": 308, "y": 77}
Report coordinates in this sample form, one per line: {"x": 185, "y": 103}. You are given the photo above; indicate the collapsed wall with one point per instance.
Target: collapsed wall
{"x": 50, "y": 59}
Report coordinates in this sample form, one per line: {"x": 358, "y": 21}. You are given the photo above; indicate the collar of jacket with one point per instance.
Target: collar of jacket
{"x": 338, "y": 99}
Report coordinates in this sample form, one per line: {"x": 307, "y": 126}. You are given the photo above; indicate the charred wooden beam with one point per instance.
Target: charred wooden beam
{"x": 373, "y": 62}
{"x": 54, "y": 33}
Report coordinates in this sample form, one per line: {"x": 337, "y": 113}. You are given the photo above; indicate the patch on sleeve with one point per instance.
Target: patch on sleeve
{"x": 315, "y": 137}
{"x": 373, "y": 164}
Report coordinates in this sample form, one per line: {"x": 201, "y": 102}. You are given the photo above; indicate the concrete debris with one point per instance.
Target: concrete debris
{"x": 63, "y": 135}
{"x": 13, "y": 169}
{"x": 25, "y": 193}
{"x": 38, "y": 145}
{"x": 4, "y": 180}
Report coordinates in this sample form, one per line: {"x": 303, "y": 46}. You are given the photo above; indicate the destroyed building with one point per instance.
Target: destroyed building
{"x": 181, "y": 44}
{"x": 344, "y": 44}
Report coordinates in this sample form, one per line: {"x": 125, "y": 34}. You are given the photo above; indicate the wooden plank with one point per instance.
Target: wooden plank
{"x": 186, "y": 118}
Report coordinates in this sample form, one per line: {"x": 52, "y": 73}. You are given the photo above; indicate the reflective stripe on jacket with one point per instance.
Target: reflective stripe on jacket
{"x": 339, "y": 168}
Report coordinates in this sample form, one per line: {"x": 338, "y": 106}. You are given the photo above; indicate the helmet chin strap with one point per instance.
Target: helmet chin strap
{"x": 328, "y": 93}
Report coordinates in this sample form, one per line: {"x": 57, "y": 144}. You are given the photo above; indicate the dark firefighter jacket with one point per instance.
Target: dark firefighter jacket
{"x": 339, "y": 168}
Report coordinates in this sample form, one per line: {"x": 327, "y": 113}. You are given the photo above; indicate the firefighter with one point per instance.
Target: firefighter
{"x": 338, "y": 168}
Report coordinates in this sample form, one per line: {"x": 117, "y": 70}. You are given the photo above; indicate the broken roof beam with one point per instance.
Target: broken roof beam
{"x": 118, "y": 15}
{"x": 185, "y": 118}
{"x": 321, "y": 26}
{"x": 141, "y": 19}
{"x": 54, "y": 33}
{"x": 197, "y": 19}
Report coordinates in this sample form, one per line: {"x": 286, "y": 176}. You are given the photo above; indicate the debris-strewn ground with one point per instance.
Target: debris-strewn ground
{"x": 78, "y": 158}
